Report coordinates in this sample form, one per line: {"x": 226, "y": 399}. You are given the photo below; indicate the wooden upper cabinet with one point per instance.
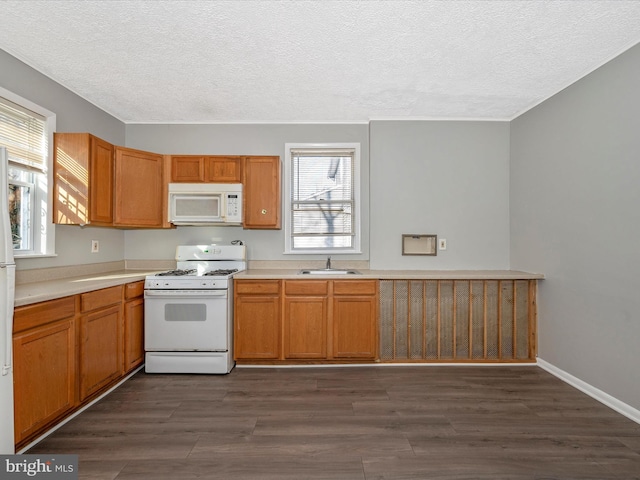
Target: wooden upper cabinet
{"x": 83, "y": 180}
{"x": 139, "y": 189}
{"x": 209, "y": 169}
{"x": 105, "y": 185}
{"x": 261, "y": 192}
{"x": 187, "y": 169}
{"x": 223, "y": 169}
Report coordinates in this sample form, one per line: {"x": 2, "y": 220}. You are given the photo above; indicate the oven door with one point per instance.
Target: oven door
{"x": 186, "y": 320}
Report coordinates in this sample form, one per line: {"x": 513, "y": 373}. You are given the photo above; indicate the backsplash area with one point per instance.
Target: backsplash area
{"x": 55, "y": 273}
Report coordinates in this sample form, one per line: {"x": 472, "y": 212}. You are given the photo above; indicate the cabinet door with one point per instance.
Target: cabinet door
{"x": 44, "y": 376}
{"x": 133, "y": 334}
{"x": 83, "y": 180}
{"x": 257, "y": 327}
{"x": 187, "y": 169}
{"x": 101, "y": 182}
{"x": 139, "y": 188}
{"x": 223, "y": 169}
{"x": 262, "y": 192}
{"x": 305, "y": 327}
{"x": 354, "y": 327}
{"x": 100, "y": 349}
{"x": 305, "y": 318}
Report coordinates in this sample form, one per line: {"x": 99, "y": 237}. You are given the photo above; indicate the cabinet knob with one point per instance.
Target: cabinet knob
{"x": 263, "y": 212}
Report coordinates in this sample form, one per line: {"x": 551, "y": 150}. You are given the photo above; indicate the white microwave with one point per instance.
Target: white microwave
{"x": 205, "y": 203}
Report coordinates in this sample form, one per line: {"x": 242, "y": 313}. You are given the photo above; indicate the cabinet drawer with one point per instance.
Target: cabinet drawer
{"x": 133, "y": 290}
{"x": 100, "y": 298}
{"x": 253, "y": 287}
{"x": 42, "y": 313}
{"x": 304, "y": 287}
{"x": 355, "y": 287}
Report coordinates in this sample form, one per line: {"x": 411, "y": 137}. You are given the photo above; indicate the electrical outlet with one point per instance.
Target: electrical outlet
{"x": 442, "y": 244}
{"x": 95, "y": 246}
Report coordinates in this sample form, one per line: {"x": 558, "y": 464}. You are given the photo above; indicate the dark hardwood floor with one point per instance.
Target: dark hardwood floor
{"x": 373, "y": 423}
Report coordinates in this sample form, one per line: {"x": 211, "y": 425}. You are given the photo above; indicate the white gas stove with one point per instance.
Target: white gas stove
{"x": 189, "y": 311}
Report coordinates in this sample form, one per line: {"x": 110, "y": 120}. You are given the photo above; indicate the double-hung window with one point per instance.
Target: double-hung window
{"x": 322, "y": 205}
{"x": 25, "y": 135}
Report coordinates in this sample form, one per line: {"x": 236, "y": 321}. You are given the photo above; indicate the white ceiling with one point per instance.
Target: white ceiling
{"x": 207, "y": 61}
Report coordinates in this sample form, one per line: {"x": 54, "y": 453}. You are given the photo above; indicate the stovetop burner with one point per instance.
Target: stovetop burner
{"x": 221, "y": 272}
{"x": 176, "y": 273}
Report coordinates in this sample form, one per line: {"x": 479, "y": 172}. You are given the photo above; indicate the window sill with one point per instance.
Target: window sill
{"x": 34, "y": 255}
{"x": 323, "y": 252}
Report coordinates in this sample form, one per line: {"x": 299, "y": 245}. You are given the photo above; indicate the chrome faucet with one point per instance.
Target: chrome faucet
{"x": 328, "y": 267}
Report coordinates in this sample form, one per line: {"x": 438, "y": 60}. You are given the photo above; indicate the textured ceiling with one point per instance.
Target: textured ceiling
{"x": 316, "y": 61}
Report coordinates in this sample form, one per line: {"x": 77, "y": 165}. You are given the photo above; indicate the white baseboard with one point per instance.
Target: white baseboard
{"x": 611, "y": 402}
{"x": 385, "y": 365}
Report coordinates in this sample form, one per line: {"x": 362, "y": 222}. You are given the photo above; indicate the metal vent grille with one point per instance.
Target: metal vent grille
{"x": 457, "y": 320}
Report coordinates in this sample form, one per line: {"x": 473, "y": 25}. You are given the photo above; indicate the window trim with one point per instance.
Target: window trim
{"x": 288, "y": 168}
{"x": 40, "y": 248}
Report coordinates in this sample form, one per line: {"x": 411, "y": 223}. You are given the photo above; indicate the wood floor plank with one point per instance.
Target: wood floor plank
{"x": 243, "y": 468}
{"x": 320, "y": 444}
{"x": 483, "y": 467}
{"x": 120, "y": 446}
{"x": 349, "y": 425}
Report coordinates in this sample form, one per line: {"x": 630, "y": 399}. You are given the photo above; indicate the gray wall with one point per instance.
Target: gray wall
{"x": 575, "y": 216}
{"x": 445, "y": 178}
{"x": 238, "y": 139}
{"x": 73, "y": 114}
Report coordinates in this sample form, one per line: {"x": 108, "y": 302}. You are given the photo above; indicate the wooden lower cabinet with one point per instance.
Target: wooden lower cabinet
{"x": 305, "y": 319}
{"x": 354, "y": 332}
{"x": 355, "y": 307}
{"x": 133, "y": 326}
{"x": 322, "y": 320}
{"x": 133, "y": 334}
{"x": 44, "y": 375}
{"x": 257, "y": 325}
{"x": 68, "y": 350}
{"x": 100, "y": 349}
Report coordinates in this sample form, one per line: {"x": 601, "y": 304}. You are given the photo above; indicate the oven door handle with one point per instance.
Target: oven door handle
{"x": 189, "y": 294}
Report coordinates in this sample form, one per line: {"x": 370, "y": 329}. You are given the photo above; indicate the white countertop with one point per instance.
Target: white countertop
{"x": 35, "y": 292}
{"x": 277, "y": 273}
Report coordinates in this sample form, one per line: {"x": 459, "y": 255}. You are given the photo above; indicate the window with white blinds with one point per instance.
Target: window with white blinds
{"x": 22, "y": 132}
{"x": 322, "y": 204}
{"x": 25, "y": 134}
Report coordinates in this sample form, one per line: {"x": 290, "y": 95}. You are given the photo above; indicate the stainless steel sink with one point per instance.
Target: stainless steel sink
{"x": 329, "y": 271}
